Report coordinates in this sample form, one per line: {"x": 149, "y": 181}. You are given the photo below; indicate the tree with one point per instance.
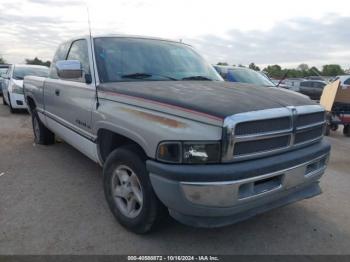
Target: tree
{"x": 254, "y": 67}
{"x": 314, "y": 71}
{"x": 274, "y": 71}
{"x": 37, "y": 61}
{"x": 332, "y": 70}
{"x": 223, "y": 64}
{"x": 303, "y": 67}
{"x": 294, "y": 73}
{"x": 2, "y": 60}
{"x": 302, "y": 70}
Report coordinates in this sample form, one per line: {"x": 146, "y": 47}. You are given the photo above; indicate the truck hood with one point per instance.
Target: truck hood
{"x": 218, "y": 99}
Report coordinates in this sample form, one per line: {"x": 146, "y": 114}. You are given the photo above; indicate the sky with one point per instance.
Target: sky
{"x": 238, "y": 32}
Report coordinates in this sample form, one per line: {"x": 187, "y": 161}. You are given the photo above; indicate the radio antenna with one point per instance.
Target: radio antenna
{"x": 92, "y": 56}
{"x": 284, "y": 77}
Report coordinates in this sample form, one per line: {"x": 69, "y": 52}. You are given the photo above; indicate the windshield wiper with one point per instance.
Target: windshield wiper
{"x": 197, "y": 78}
{"x": 146, "y": 75}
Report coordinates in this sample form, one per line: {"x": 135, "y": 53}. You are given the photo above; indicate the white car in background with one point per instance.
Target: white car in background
{"x": 13, "y": 84}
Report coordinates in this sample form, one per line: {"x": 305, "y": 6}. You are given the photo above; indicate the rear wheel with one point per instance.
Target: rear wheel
{"x": 129, "y": 192}
{"x": 346, "y": 130}
{"x": 3, "y": 100}
{"x": 42, "y": 135}
{"x": 12, "y": 110}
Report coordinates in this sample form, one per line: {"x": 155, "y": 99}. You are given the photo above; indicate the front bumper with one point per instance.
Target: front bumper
{"x": 217, "y": 195}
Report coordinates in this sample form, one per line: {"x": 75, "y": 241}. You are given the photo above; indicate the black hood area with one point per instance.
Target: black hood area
{"x": 218, "y": 99}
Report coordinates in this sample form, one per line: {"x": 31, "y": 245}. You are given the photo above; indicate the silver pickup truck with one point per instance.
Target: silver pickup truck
{"x": 173, "y": 137}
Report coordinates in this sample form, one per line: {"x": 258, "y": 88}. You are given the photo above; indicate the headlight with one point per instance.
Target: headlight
{"x": 189, "y": 152}
{"x": 17, "y": 89}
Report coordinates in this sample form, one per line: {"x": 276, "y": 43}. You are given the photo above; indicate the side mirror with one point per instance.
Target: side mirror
{"x": 69, "y": 69}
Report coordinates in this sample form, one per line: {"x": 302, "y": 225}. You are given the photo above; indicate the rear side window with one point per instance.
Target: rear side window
{"x": 319, "y": 85}
{"x": 347, "y": 81}
{"x": 60, "y": 54}
{"x": 21, "y": 71}
{"x": 306, "y": 84}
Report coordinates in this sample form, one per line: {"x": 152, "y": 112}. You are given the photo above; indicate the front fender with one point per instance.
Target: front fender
{"x": 148, "y": 128}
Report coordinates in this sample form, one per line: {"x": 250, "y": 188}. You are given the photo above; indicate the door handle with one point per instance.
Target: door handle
{"x": 57, "y": 92}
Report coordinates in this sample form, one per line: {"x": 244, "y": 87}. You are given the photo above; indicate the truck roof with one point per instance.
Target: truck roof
{"x": 128, "y": 36}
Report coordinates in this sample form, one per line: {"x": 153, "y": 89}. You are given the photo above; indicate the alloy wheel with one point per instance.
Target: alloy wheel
{"x": 127, "y": 191}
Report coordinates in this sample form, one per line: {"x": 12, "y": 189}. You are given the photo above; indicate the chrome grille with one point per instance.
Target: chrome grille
{"x": 308, "y": 135}
{"x": 308, "y": 119}
{"x": 250, "y": 147}
{"x": 260, "y": 126}
{"x": 260, "y": 133}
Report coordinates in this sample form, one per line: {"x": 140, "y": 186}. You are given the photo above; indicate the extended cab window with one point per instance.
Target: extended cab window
{"x": 60, "y": 54}
{"x": 79, "y": 51}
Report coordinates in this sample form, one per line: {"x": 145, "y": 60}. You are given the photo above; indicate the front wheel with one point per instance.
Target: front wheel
{"x": 128, "y": 190}
{"x": 42, "y": 135}
{"x": 346, "y": 130}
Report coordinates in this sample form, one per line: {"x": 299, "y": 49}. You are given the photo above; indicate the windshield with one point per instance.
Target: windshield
{"x": 20, "y": 72}
{"x": 248, "y": 76}
{"x": 131, "y": 59}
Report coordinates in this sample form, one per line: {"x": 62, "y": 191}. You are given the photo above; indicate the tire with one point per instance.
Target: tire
{"x": 42, "y": 135}
{"x": 328, "y": 130}
{"x": 12, "y": 110}
{"x": 346, "y": 131}
{"x": 3, "y": 100}
{"x": 334, "y": 127}
{"x": 129, "y": 161}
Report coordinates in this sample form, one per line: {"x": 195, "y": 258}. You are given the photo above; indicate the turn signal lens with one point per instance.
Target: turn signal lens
{"x": 169, "y": 152}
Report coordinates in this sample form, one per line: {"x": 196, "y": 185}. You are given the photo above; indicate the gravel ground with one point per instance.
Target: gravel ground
{"x": 52, "y": 202}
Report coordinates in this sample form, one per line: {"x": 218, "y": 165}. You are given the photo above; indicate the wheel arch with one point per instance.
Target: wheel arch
{"x": 109, "y": 139}
{"x": 30, "y": 103}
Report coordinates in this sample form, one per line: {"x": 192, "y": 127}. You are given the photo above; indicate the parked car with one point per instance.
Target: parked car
{"x": 293, "y": 83}
{"x": 312, "y": 88}
{"x": 344, "y": 80}
{"x": 3, "y": 71}
{"x": 243, "y": 75}
{"x": 171, "y": 135}
{"x": 13, "y": 84}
